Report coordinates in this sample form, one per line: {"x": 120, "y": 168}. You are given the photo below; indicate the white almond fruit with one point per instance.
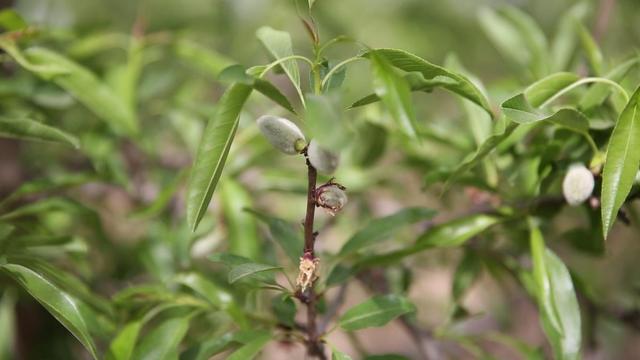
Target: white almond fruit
{"x": 325, "y": 161}
{"x": 577, "y": 185}
{"x": 283, "y": 134}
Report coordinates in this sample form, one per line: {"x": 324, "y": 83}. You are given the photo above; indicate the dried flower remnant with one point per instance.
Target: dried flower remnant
{"x": 331, "y": 196}
{"x": 308, "y": 272}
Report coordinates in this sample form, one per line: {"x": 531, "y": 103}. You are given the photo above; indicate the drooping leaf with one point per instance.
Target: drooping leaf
{"x": 32, "y": 130}
{"x": 163, "y": 341}
{"x": 284, "y": 234}
{"x": 279, "y": 45}
{"x": 212, "y": 152}
{"x": 468, "y": 271}
{"x": 591, "y": 49}
{"x": 543, "y": 89}
{"x": 252, "y": 348}
{"x": 556, "y": 299}
{"x": 239, "y": 74}
{"x": 412, "y": 63}
{"x": 379, "y": 229}
{"x": 205, "y": 350}
{"x": 248, "y": 270}
{"x": 598, "y": 92}
{"x": 377, "y": 311}
{"x": 122, "y": 346}
{"x": 59, "y": 303}
{"x": 622, "y": 161}
{"x": 50, "y": 183}
{"x": 394, "y": 92}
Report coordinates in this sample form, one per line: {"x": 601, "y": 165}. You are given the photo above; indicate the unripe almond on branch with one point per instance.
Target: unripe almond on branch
{"x": 283, "y": 134}
{"x": 577, "y": 185}
{"x": 322, "y": 159}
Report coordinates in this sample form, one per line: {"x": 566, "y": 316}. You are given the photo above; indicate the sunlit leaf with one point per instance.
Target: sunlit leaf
{"x": 59, "y": 303}
{"x": 279, "y": 45}
{"x": 622, "y": 161}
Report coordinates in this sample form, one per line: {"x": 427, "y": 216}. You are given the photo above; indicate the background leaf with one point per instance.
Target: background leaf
{"x": 33, "y": 130}
{"x": 377, "y": 311}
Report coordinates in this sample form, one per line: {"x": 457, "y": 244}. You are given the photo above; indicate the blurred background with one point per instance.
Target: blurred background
{"x": 124, "y": 198}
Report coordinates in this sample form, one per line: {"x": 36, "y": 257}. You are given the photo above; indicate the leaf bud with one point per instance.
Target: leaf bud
{"x": 577, "y": 185}
{"x": 283, "y": 134}
{"x": 332, "y": 197}
{"x": 323, "y": 160}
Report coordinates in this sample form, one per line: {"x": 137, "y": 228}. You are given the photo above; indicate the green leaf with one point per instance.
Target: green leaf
{"x": 205, "y": 59}
{"x": 209, "y": 348}
{"x": 517, "y": 36}
{"x": 279, "y": 45}
{"x": 483, "y": 150}
{"x": 285, "y": 309}
{"x": 83, "y": 85}
{"x": 412, "y": 63}
{"x": 163, "y": 341}
{"x": 339, "y": 355}
{"x": 50, "y": 183}
{"x": 8, "y": 324}
{"x": 622, "y": 161}
{"x": 212, "y": 152}
{"x": 252, "y": 348}
{"x": 311, "y": 2}
{"x": 395, "y": 93}
{"x": 591, "y": 49}
{"x": 249, "y": 270}
{"x": 10, "y": 20}
{"x": 543, "y": 89}
{"x": 59, "y": 303}
{"x": 238, "y": 73}
{"x": 566, "y": 39}
{"x": 324, "y": 120}
{"x": 599, "y": 92}
{"x": 556, "y": 299}
{"x": 382, "y": 228}
{"x": 456, "y": 232}
{"x": 416, "y": 82}
{"x": 242, "y": 230}
{"x": 122, "y": 346}
{"x": 377, "y": 311}
{"x": 468, "y": 271}
{"x": 32, "y": 130}
{"x": 284, "y": 234}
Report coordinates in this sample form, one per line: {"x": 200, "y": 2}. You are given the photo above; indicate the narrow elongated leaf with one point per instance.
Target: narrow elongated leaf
{"x": 416, "y": 82}
{"x": 377, "y": 311}
{"x": 252, "y": 348}
{"x": 242, "y": 230}
{"x": 382, "y": 228}
{"x": 205, "y": 59}
{"x": 7, "y": 324}
{"x": 412, "y": 63}
{"x": 59, "y": 303}
{"x": 163, "y": 341}
{"x": 543, "y": 89}
{"x": 209, "y": 348}
{"x": 394, "y": 92}
{"x": 84, "y": 86}
{"x": 269, "y": 90}
{"x": 248, "y": 270}
{"x": 279, "y": 45}
{"x": 622, "y": 161}
{"x": 456, "y": 232}
{"x": 212, "y": 152}
{"x": 33, "y": 130}
{"x": 284, "y": 234}
{"x": 556, "y": 299}
{"x": 566, "y": 38}
{"x": 468, "y": 271}
{"x": 591, "y": 49}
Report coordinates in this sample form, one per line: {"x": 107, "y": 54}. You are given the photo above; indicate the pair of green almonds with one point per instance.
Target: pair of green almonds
{"x": 285, "y": 136}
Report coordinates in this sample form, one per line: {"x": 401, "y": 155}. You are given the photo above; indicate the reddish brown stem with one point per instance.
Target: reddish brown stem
{"x": 314, "y": 345}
